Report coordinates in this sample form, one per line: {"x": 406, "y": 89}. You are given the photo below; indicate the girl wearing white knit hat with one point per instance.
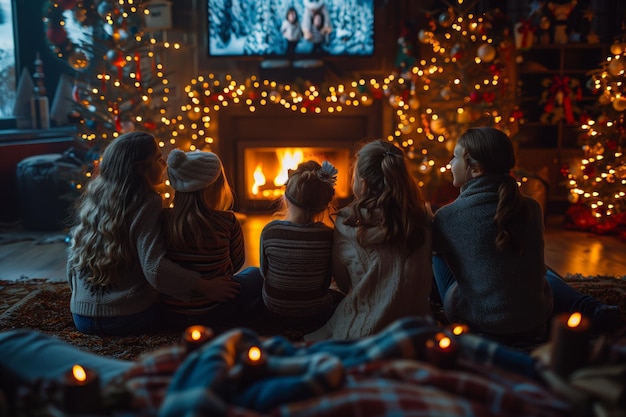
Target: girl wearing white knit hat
{"x": 202, "y": 233}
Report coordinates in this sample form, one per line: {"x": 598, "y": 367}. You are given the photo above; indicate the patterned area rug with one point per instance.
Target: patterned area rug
{"x": 43, "y": 306}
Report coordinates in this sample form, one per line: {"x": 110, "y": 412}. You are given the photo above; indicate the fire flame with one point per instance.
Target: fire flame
{"x": 259, "y": 179}
{"x": 289, "y": 159}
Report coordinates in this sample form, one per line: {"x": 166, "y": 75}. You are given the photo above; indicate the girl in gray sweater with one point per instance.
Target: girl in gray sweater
{"x": 116, "y": 260}
{"x": 489, "y": 264}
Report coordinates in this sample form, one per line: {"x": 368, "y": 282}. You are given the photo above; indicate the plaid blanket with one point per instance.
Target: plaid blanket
{"x": 387, "y": 374}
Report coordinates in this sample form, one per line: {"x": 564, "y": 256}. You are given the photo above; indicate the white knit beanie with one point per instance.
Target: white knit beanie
{"x": 192, "y": 171}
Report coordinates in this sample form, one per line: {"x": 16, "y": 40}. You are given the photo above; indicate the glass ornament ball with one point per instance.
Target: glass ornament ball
{"x": 425, "y": 36}
{"x": 616, "y": 67}
{"x": 617, "y": 48}
{"x": 445, "y": 19}
{"x": 78, "y": 60}
{"x": 437, "y": 126}
{"x": 486, "y": 52}
{"x": 394, "y": 100}
{"x": 619, "y": 104}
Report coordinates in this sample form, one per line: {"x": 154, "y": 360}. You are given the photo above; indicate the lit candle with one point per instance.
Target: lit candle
{"x": 569, "y": 340}
{"x": 81, "y": 391}
{"x": 196, "y": 336}
{"x": 251, "y": 367}
{"x": 441, "y": 351}
{"x": 459, "y": 329}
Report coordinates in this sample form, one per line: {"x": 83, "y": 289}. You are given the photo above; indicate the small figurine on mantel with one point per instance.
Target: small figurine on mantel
{"x": 561, "y": 13}
{"x": 39, "y": 110}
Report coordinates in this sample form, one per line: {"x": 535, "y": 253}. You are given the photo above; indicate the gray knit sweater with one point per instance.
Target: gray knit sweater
{"x": 496, "y": 292}
{"x": 136, "y": 289}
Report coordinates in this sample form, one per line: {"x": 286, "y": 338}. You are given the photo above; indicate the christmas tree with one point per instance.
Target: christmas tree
{"x": 120, "y": 84}
{"x": 458, "y": 75}
{"x": 598, "y": 184}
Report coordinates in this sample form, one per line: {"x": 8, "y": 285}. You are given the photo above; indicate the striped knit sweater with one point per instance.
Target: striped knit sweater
{"x": 295, "y": 264}
{"x": 222, "y": 255}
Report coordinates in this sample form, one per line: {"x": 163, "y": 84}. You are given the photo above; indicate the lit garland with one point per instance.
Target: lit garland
{"x": 599, "y": 181}
{"x": 463, "y": 83}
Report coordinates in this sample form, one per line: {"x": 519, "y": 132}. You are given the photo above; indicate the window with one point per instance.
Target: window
{"x": 8, "y": 81}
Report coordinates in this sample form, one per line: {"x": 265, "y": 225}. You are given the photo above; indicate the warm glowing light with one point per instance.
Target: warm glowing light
{"x": 289, "y": 159}
{"x": 79, "y": 373}
{"x": 445, "y": 342}
{"x": 259, "y": 179}
{"x": 195, "y": 334}
{"x": 574, "y": 320}
{"x": 254, "y": 354}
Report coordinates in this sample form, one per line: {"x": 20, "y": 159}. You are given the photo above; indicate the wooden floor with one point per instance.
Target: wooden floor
{"x": 42, "y": 255}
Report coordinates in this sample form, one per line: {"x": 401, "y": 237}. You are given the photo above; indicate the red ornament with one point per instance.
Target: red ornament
{"x": 611, "y": 144}
{"x": 57, "y": 35}
{"x": 475, "y": 97}
{"x": 489, "y": 97}
{"x": 149, "y": 124}
{"x": 377, "y": 93}
{"x": 589, "y": 170}
{"x": 564, "y": 170}
{"x": 66, "y": 4}
{"x": 494, "y": 69}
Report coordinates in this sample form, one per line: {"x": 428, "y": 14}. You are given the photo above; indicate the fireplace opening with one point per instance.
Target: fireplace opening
{"x": 266, "y": 169}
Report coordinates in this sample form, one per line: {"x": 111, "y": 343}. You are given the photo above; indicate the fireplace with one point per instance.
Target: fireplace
{"x": 258, "y": 149}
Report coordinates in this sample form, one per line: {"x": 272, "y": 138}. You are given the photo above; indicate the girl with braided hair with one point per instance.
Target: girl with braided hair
{"x": 489, "y": 249}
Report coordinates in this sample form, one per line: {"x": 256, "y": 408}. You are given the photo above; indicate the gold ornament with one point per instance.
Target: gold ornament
{"x": 78, "y": 60}
{"x": 619, "y": 104}
{"x": 486, "y": 52}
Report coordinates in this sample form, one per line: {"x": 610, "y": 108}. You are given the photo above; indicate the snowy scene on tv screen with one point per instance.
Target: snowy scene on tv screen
{"x": 290, "y": 27}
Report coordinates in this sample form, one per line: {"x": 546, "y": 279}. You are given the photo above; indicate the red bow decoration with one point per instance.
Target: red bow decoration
{"x": 526, "y": 29}
{"x": 560, "y": 93}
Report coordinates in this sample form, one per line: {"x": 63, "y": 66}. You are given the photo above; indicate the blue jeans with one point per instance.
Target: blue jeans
{"x": 143, "y": 322}
{"x": 232, "y": 312}
{"x": 566, "y": 298}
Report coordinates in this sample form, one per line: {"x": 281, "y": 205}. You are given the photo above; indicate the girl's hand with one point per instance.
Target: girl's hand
{"x": 220, "y": 289}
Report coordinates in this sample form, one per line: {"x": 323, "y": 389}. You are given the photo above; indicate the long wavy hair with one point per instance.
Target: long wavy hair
{"x": 393, "y": 192}
{"x": 101, "y": 246}
{"x": 492, "y": 150}
{"x": 190, "y": 217}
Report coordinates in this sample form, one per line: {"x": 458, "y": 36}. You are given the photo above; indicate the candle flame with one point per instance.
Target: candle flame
{"x": 445, "y": 342}
{"x": 196, "y": 334}
{"x": 458, "y": 329}
{"x": 79, "y": 373}
{"x": 574, "y": 320}
{"x": 254, "y": 353}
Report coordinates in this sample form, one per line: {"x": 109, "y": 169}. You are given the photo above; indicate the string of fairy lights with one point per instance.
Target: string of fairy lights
{"x": 131, "y": 89}
{"x": 599, "y": 181}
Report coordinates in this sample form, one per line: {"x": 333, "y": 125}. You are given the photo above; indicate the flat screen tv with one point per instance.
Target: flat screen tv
{"x": 261, "y": 28}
